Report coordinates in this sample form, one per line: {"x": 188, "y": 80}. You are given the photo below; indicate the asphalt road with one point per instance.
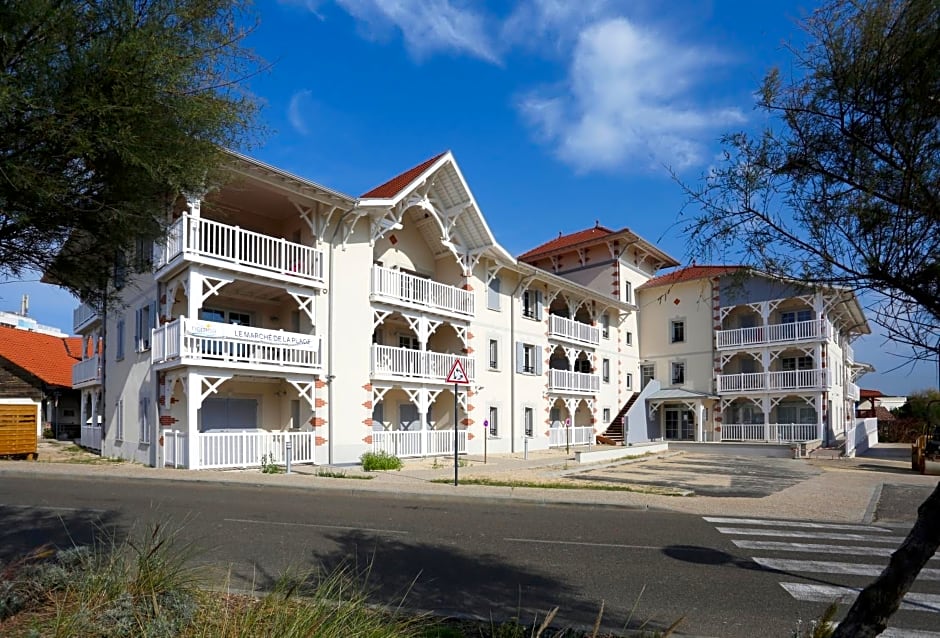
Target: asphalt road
{"x": 469, "y": 556}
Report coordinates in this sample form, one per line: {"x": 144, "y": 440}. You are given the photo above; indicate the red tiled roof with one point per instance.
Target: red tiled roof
{"x": 689, "y": 273}
{"x": 869, "y": 394}
{"x": 48, "y": 357}
{"x": 564, "y": 241}
{"x": 394, "y": 186}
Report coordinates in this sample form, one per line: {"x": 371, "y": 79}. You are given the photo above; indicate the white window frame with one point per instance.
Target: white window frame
{"x": 493, "y": 354}
{"x": 493, "y": 429}
{"x": 605, "y": 370}
{"x": 677, "y": 366}
{"x": 651, "y": 367}
{"x": 629, "y": 381}
{"x": 119, "y": 421}
{"x": 785, "y": 316}
{"x": 629, "y": 340}
{"x": 119, "y": 349}
{"x": 144, "y": 323}
{"x": 628, "y": 292}
{"x": 605, "y": 415}
{"x": 494, "y": 293}
{"x": 528, "y": 421}
{"x": 143, "y": 418}
{"x": 605, "y": 325}
{"x": 528, "y": 358}
{"x": 673, "y": 325}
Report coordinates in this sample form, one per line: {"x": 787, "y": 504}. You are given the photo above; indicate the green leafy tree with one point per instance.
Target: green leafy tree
{"x": 108, "y": 110}
{"x": 842, "y": 187}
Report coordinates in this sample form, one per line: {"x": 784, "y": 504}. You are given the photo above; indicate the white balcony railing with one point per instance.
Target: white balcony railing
{"x": 417, "y": 443}
{"x": 87, "y": 372}
{"x": 852, "y": 391}
{"x": 424, "y": 365}
{"x": 771, "y": 432}
{"x": 185, "y": 341}
{"x": 567, "y": 381}
{"x": 799, "y": 331}
{"x": 83, "y": 316}
{"x": 562, "y": 436}
{"x": 819, "y": 379}
{"x": 91, "y": 437}
{"x": 233, "y": 248}
{"x": 564, "y": 328}
{"x": 394, "y": 286}
{"x": 849, "y": 354}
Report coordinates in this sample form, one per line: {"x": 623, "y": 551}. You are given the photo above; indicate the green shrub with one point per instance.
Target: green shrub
{"x": 372, "y": 461}
{"x": 47, "y": 433}
{"x": 268, "y": 466}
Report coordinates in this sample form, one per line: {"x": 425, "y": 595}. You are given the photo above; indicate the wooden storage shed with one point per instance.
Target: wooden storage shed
{"x": 19, "y": 423}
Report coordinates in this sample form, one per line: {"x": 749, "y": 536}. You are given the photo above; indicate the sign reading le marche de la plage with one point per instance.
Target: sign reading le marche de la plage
{"x": 457, "y": 374}
{"x": 210, "y": 330}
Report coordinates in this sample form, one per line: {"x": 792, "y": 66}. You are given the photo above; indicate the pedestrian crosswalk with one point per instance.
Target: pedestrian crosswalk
{"x": 826, "y": 562}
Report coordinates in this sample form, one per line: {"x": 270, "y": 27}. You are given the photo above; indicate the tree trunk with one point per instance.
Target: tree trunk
{"x": 875, "y": 604}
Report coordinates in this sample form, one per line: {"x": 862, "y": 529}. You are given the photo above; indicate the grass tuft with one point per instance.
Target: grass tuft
{"x": 372, "y": 461}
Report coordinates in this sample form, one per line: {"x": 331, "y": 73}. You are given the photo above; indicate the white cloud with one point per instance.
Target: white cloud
{"x": 299, "y": 103}
{"x": 628, "y": 100}
{"x": 428, "y": 26}
{"x": 533, "y": 24}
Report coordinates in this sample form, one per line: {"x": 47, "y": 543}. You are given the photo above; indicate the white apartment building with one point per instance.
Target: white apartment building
{"x": 280, "y": 312}
{"x": 742, "y": 356}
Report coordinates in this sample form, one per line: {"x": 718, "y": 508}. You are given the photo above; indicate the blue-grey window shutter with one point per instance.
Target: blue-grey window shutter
{"x": 538, "y": 360}
{"x": 538, "y": 305}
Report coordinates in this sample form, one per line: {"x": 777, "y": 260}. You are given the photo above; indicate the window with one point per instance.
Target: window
{"x": 494, "y": 421}
{"x": 119, "y": 337}
{"x": 793, "y": 316}
{"x": 492, "y": 293}
{"x": 528, "y": 420}
{"x": 647, "y": 373}
{"x": 606, "y": 415}
{"x": 143, "y": 418}
{"x": 532, "y": 304}
{"x": 119, "y": 420}
{"x": 583, "y": 366}
{"x": 408, "y": 341}
{"x": 605, "y": 325}
{"x": 629, "y": 338}
{"x": 143, "y": 254}
{"x": 527, "y": 359}
{"x": 796, "y": 363}
{"x": 677, "y": 331}
{"x": 678, "y": 372}
{"x": 494, "y": 354}
{"x": 605, "y": 370}
{"x": 628, "y": 292}
{"x": 629, "y": 381}
{"x": 144, "y": 322}
{"x": 795, "y": 413}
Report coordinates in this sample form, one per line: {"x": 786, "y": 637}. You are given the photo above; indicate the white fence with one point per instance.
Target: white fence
{"x": 239, "y": 249}
{"x": 818, "y": 379}
{"x": 573, "y": 330}
{"x": 407, "y": 363}
{"x": 91, "y": 437}
{"x": 396, "y": 286}
{"x": 771, "y": 432}
{"x": 813, "y": 330}
{"x": 238, "y": 346}
{"x": 861, "y": 435}
{"x": 220, "y": 450}
{"x": 562, "y": 436}
{"x": 568, "y": 381}
{"x": 418, "y": 443}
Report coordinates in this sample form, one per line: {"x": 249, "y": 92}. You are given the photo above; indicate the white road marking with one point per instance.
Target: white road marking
{"x": 806, "y": 524}
{"x": 831, "y": 567}
{"x": 835, "y": 536}
{"x": 580, "y": 543}
{"x": 54, "y": 509}
{"x": 830, "y": 593}
{"x": 817, "y": 549}
{"x": 347, "y": 527}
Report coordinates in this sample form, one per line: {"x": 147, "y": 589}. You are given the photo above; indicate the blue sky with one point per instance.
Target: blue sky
{"x": 559, "y": 112}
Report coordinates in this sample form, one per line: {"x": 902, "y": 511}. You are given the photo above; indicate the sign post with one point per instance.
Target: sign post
{"x": 486, "y": 436}
{"x": 568, "y": 435}
{"x": 458, "y": 377}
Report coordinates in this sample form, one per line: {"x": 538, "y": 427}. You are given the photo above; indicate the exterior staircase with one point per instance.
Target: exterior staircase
{"x": 614, "y": 434}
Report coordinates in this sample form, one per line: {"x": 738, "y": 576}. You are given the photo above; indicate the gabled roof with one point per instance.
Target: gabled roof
{"x": 567, "y": 241}
{"x": 689, "y": 273}
{"x": 869, "y": 394}
{"x": 47, "y": 357}
{"x": 398, "y": 183}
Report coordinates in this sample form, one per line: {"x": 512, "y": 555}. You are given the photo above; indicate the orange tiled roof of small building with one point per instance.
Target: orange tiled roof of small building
{"x": 869, "y": 394}
{"x": 47, "y": 357}
{"x": 394, "y": 186}
{"x": 689, "y": 273}
{"x": 565, "y": 241}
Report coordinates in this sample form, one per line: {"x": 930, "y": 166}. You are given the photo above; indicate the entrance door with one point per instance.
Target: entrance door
{"x": 680, "y": 424}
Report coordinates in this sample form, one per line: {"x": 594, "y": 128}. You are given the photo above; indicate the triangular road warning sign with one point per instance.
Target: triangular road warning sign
{"x": 457, "y": 374}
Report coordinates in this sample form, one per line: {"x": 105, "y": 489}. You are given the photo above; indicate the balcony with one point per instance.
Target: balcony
{"x": 782, "y": 381}
{"x": 577, "y": 382}
{"x": 779, "y": 333}
{"x": 406, "y": 364}
{"x": 84, "y": 317}
{"x": 851, "y": 391}
{"x": 87, "y": 373}
{"x": 571, "y": 330}
{"x": 401, "y": 289}
{"x": 221, "y": 345}
{"x": 849, "y": 354}
{"x": 230, "y": 248}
